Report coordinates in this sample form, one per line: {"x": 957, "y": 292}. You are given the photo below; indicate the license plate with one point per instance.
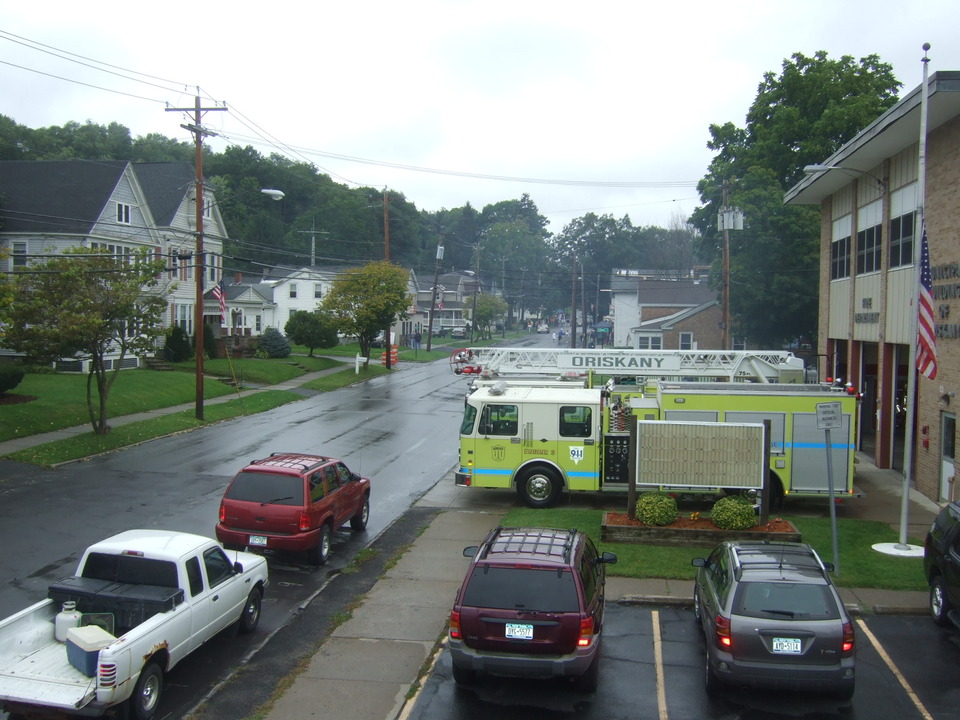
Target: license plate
{"x": 515, "y": 631}
{"x": 786, "y": 646}
{"x": 258, "y": 540}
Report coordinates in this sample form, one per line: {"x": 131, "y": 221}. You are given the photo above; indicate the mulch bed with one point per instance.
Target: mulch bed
{"x": 775, "y": 524}
{"x": 11, "y": 399}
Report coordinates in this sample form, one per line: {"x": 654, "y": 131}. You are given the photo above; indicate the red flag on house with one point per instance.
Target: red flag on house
{"x": 926, "y": 328}
{"x": 220, "y": 295}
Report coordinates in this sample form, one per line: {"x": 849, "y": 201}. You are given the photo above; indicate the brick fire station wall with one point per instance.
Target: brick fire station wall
{"x": 942, "y": 211}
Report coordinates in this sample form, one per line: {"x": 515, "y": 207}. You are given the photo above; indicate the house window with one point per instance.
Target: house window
{"x": 293, "y": 290}
{"x": 686, "y": 341}
{"x": 840, "y": 258}
{"x": 212, "y": 267}
{"x": 257, "y": 326}
{"x": 19, "y": 255}
{"x": 901, "y": 240}
{"x": 649, "y": 342}
{"x": 868, "y": 249}
{"x": 185, "y": 318}
{"x": 317, "y": 291}
{"x": 123, "y": 213}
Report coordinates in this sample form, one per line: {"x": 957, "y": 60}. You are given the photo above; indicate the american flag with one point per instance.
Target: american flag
{"x": 926, "y": 329}
{"x": 221, "y": 297}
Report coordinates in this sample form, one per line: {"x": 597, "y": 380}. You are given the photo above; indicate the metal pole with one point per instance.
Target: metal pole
{"x": 910, "y": 430}
{"x": 833, "y": 505}
{"x": 724, "y": 331}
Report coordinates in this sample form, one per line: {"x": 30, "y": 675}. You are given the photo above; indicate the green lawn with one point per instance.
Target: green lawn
{"x": 860, "y": 565}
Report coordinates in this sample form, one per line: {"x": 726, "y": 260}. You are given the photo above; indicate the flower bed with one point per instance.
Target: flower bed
{"x": 690, "y": 532}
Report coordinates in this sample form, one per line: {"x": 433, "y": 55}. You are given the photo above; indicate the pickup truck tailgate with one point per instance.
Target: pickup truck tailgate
{"x": 47, "y": 678}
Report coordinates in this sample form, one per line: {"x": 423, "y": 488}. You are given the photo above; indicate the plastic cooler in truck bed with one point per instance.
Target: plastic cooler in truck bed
{"x": 130, "y": 604}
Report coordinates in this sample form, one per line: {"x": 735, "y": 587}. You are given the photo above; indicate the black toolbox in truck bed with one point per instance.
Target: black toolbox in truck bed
{"x": 130, "y": 604}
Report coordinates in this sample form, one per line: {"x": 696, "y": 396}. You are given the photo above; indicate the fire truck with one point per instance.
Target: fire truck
{"x": 543, "y": 440}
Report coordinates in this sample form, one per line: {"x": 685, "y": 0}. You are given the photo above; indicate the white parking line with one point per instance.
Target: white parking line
{"x": 658, "y": 664}
{"x": 893, "y": 668}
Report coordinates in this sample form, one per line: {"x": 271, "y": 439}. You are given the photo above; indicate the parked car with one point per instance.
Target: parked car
{"x": 377, "y": 341}
{"x": 292, "y": 502}
{"x": 941, "y": 565}
{"x": 531, "y": 606}
{"x": 771, "y": 616}
{"x": 439, "y": 332}
{"x": 459, "y": 332}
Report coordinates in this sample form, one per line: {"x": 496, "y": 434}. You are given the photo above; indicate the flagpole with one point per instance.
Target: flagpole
{"x": 910, "y": 431}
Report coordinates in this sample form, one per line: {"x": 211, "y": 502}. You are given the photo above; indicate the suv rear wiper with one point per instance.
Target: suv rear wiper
{"x": 276, "y": 500}
{"x": 788, "y": 613}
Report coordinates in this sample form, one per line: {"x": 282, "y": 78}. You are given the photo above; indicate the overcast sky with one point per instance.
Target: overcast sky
{"x": 477, "y": 101}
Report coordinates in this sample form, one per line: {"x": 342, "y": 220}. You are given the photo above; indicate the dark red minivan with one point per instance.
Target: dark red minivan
{"x": 292, "y": 502}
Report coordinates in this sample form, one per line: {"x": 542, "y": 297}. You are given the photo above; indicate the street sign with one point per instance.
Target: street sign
{"x": 829, "y": 416}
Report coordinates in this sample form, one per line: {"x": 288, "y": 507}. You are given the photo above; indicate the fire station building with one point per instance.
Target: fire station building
{"x": 869, "y": 280}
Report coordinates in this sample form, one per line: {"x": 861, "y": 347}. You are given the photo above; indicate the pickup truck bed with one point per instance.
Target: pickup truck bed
{"x": 130, "y": 604}
{"x": 36, "y": 669}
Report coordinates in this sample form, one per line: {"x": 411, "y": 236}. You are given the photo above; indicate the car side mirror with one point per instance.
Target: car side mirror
{"x": 470, "y": 550}
{"x": 828, "y": 566}
{"x": 238, "y": 568}
{"x": 354, "y": 477}
{"x": 699, "y": 562}
{"x": 608, "y": 558}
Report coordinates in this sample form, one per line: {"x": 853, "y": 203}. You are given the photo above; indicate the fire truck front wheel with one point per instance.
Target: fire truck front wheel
{"x": 539, "y": 487}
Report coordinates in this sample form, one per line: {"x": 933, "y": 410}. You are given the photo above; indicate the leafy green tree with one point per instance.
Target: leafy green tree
{"x": 486, "y": 311}
{"x": 363, "y": 301}
{"x": 312, "y": 330}
{"x": 800, "y": 116}
{"x": 88, "y": 303}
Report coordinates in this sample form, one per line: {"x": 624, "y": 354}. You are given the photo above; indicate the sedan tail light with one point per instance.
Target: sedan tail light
{"x": 586, "y": 632}
{"x": 454, "y": 624}
{"x": 847, "y": 646}
{"x": 721, "y": 633}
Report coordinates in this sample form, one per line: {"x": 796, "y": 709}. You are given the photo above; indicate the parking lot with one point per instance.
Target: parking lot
{"x": 653, "y": 667}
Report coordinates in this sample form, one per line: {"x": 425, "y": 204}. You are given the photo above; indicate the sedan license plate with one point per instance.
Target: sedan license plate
{"x": 259, "y": 540}
{"x": 516, "y": 631}
{"x": 786, "y": 646}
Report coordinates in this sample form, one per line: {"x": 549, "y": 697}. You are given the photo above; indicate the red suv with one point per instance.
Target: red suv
{"x": 292, "y": 502}
{"x": 531, "y": 606}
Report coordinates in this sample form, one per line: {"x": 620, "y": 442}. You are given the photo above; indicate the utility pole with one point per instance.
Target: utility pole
{"x": 433, "y": 293}
{"x": 573, "y": 308}
{"x": 729, "y": 218}
{"x": 313, "y": 240}
{"x": 386, "y": 256}
{"x": 198, "y": 134}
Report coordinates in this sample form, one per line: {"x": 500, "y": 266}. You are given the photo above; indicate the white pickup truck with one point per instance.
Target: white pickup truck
{"x": 164, "y": 594}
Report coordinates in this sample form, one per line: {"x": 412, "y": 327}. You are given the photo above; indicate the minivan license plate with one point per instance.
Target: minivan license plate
{"x": 258, "y": 540}
{"x": 519, "y": 632}
{"x": 786, "y": 646}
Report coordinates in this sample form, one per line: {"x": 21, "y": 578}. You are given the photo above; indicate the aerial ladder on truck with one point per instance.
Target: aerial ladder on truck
{"x": 759, "y": 366}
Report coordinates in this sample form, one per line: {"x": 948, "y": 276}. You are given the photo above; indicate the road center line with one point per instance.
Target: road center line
{"x": 658, "y": 664}
{"x": 893, "y": 668}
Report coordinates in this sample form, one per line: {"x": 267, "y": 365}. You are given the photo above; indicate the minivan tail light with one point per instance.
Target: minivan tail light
{"x": 847, "y": 646}
{"x": 304, "y": 523}
{"x": 721, "y": 633}
{"x": 223, "y": 513}
{"x": 454, "y": 624}
{"x": 586, "y": 632}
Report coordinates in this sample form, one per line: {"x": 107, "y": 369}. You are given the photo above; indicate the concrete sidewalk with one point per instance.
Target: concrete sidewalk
{"x": 371, "y": 662}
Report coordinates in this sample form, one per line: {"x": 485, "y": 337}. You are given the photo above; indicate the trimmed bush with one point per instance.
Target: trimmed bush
{"x": 179, "y": 346}
{"x": 656, "y": 508}
{"x": 10, "y": 377}
{"x": 274, "y": 343}
{"x": 733, "y": 512}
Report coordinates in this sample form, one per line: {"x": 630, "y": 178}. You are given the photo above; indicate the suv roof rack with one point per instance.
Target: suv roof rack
{"x": 773, "y": 556}
{"x": 298, "y": 461}
{"x": 546, "y": 542}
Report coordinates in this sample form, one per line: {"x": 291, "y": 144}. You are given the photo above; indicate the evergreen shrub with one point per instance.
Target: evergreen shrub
{"x": 733, "y": 512}
{"x": 273, "y": 342}
{"x": 656, "y": 508}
